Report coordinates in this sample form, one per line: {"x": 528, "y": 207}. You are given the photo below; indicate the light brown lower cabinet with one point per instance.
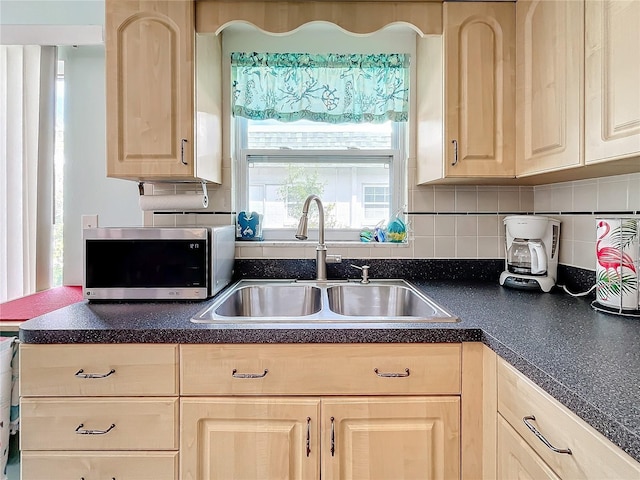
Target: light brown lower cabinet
{"x": 516, "y": 459}
{"x": 329, "y": 438}
{"x": 98, "y": 412}
{"x": 266, "y": 411}
{"x": 538, "y": 435}
{"x": 100, "y": 465}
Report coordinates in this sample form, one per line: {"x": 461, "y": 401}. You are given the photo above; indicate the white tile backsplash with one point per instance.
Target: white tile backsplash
{"x": 466, "y": 226}
{"x": 466, "y": 247}
{"x": 422, "y": 225}
{"x": 444, "y": 247}
{"x": 471, "y": 228}
{"x": 585, "y": 196}
{"x": 634, "y": 192}
{"x": 466, "y": 199}
{"x": 488, "y": 247}
{"x": 445, "y": 199}
{"x": 509, "y": 200}
{"x": 612, "y": 195}
{"x": 488, "y": 199}
{"x": 582, "y": 201}
{"x": 488, "y": 225}
{"x": 445, "y": 225}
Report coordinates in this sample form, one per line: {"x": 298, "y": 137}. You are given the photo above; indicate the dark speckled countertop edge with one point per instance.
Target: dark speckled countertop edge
{"x": 601, "y": 421}
{"x": 596, "y": 418}
{"x": 57, "y": 328}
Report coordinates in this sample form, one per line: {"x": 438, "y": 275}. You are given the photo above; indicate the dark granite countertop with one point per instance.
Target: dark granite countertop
{"x": 587, "y": 360}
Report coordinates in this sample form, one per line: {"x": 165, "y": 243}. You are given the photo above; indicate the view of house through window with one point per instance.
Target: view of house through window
{"x": 350, "y": 166}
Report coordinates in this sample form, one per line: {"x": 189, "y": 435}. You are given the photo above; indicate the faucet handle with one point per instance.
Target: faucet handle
{"x": 334, "y": 259}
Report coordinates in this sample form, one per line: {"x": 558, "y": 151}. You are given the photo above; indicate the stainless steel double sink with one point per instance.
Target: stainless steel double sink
{"x": 294, "y": 301}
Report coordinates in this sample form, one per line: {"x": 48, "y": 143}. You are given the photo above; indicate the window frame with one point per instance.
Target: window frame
{"x": 397, "y": 175}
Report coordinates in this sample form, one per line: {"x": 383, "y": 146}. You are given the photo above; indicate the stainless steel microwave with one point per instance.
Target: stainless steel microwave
{"x": 149, "y": 263}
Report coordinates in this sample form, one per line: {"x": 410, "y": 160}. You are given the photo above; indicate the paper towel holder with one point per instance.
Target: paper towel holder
{"x": 204, "y": 190}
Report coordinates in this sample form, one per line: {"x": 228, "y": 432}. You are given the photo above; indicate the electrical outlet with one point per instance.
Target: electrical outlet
{"x": 89, "y": 221}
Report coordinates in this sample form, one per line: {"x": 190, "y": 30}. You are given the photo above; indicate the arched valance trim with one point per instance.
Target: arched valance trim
{"x": 358, "y": 17}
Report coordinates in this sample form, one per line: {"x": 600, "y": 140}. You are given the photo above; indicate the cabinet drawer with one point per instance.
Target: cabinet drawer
{"x": 138, "y": 424}
{"x": 592, "y": 455}
{"x": 516, "y": 459}
{"x": 100, "y": 465}
{"x": 98, "y": 370}
{"x": 320, "y": 369}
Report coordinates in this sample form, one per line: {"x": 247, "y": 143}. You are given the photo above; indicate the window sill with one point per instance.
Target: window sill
{"x": 312, "y": 243}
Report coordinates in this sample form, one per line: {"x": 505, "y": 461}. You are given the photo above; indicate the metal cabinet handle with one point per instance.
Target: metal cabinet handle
{"x": 392, "y": 375}
{"x": 333, "y": 437}
{"x": 81, "y": 431}
{"x": 535, "y": 431}
{"x": 112, "y": 478}
{"x": 308, "y": 436}
{"x": 455, "y": 153}
{"x": 80, "y": 374}
{"x": 182, "y": 142}
{"x": 234, "y": 374}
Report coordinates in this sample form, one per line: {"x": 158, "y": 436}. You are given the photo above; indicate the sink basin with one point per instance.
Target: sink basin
{"x": 373, "y": 300}
{"x": 260, "y": 301}
{"x": 322, "y": 302}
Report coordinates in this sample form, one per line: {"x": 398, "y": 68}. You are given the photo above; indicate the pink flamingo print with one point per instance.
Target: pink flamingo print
{"x": 609, "y": 257}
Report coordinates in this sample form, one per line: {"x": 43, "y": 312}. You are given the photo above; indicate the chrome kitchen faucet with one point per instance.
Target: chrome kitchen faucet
{"x": 321, "y": 250}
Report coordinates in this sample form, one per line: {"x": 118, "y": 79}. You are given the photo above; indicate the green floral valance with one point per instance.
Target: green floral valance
{"x": 331, "y": 88}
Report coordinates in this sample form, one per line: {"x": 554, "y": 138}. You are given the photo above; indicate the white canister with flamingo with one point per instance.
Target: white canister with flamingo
{"x": 618, "y": 263}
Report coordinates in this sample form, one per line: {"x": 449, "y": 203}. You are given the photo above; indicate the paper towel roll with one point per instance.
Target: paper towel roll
{"x": 174, "y": 202}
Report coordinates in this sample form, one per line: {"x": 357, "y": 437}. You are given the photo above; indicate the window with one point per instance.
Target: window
{"x": 352, "y": 155}
{"x": 375, "y": 202}
{"x": 357, "y": 172}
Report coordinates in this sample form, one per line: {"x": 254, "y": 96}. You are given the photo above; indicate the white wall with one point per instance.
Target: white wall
{"x": 52, "y": 12}
{"x": 86, "y": 188}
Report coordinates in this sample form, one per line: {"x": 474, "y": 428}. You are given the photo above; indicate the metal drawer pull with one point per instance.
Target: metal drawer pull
{"x": 80, "y": 374}
{"x": 392, "y": 375}
{"x": 308, "y": 436}
{"x": 234, "y": 374}
{"x": 81, "y": 431}
{"x": 541, "y": 437}
{"x": 112, "y": 478}
{"x": 333, "y": 437}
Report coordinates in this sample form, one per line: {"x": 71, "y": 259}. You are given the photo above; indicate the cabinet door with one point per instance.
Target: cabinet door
{"x": 383, "y": 438}
{"x": 479, "y": 89}
{"x": 516, "y": 459}
{"x": 150, "y": 77}
{"x": 612, "y": 80}
{"x": 250, "y": 438}
{"x": 549, "y": 85}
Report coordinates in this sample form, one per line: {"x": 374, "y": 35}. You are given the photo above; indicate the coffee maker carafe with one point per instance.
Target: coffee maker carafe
{"x": 531, "y": 252}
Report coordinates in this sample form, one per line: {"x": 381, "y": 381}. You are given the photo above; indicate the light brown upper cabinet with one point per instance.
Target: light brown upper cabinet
{"x": 479, "y": 97}
{"x": 612, "y": 80}
{"x": 549, "y": 85}
{"x": 578, "y": 100}
{"x": 151, "y": 102}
